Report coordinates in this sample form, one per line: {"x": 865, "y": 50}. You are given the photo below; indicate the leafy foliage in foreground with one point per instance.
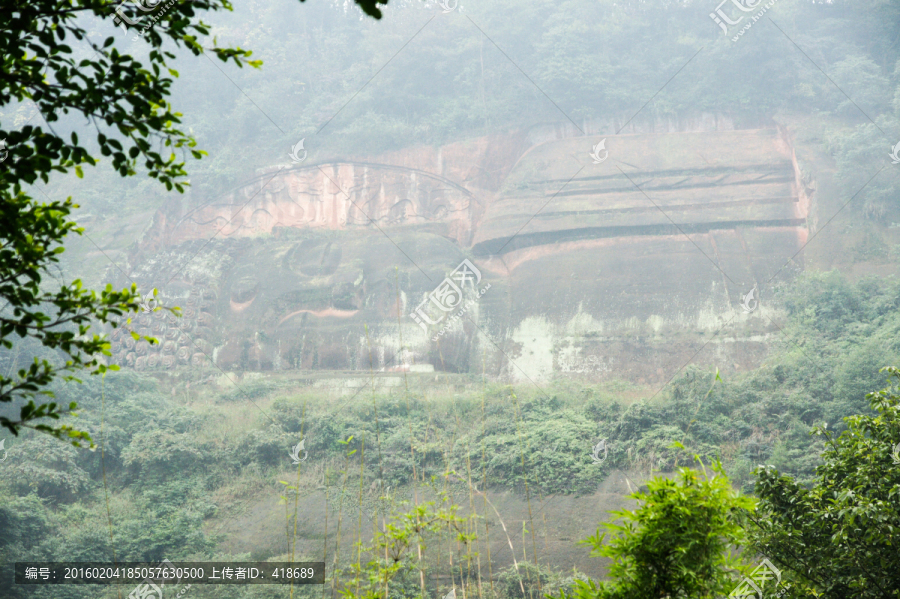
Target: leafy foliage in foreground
{"x": 398, "y": 548}
{"x": 60, "y": 321}
{"x": 166, "y": 460}
{"x": 840, "y": 535}
{"x": 117, "y": 93}
{"x": 125, "y": 102}
{"x": 677, "y": 543}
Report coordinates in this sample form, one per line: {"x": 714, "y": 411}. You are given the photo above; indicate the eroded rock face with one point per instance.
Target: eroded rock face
{"x": 622, "y": 268}
{"x": 336, "y": 197}
{"x": 632, "y": 265}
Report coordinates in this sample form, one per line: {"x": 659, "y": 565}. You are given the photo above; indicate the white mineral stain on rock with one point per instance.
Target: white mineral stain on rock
{"x": 583, "y": 323}
{"x": 656, "y": 323}
{"x": 535, "y": 361}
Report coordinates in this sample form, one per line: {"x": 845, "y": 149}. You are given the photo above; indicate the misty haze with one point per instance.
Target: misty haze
{"x": 586, "y": 299}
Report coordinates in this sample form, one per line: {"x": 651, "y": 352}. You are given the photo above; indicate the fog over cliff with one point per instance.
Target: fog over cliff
{"x": 506, "y": 251}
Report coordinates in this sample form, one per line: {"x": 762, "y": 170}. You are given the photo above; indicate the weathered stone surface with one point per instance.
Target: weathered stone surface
{"x": 623, "y": 269}
{"x": 342, "y": 196}
{"x": 648, "y": 185}
{"x": 605, "y": 267}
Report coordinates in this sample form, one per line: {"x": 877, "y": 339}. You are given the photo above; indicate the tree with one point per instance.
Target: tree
{"x": 398, "y": 549}
{"x": 840, "y": 535}
{"x": 125, "y": 102}
{"x": 676, "y": 543}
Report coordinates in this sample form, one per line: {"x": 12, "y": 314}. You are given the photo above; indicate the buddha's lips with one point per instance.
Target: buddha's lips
{"x": 322, "y": 314}
{"x": 239, "y": 307}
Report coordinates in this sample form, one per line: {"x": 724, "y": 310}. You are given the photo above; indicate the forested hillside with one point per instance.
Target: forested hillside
{"x": 682, "y": 341}
{"x": 184, "y": 457}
